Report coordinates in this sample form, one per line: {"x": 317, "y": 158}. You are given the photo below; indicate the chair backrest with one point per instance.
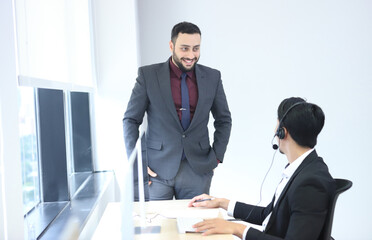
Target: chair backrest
{"x": 341, "y": 186}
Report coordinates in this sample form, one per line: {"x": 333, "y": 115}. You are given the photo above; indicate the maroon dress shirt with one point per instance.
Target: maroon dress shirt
{"x": 175, "y": 78}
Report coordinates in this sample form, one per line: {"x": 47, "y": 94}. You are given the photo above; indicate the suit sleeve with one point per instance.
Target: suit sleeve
{"x": 136, "y": 109}
{"x": 222, "y": 121}
{"x": 251, "y": 213}
{"x": 308, "y": 210}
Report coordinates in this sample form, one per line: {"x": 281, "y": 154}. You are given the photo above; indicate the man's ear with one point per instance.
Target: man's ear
{"x": 285, "y": 132}
{"x": 171, "y": 46}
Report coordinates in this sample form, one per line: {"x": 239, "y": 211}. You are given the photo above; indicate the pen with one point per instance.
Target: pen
{"x": 202, "y": 200}
{"x": 233, "y": 219}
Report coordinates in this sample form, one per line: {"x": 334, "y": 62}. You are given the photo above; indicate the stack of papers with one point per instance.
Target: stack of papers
{"x": 203, "y": 213}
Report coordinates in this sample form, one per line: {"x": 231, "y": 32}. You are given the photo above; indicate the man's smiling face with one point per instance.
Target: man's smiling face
{"x": 185, "y": 51}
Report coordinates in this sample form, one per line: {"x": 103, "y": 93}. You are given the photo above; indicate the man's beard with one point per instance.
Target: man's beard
{"x": 179, "y": 64}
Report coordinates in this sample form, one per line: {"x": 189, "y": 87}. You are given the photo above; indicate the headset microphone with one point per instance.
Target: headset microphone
{"x": 281, "y": 135}
{"x": 275, "y": 146}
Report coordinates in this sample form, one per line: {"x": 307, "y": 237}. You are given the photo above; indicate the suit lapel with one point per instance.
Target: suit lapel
{"x": 202, "y": 88}
{"x": 163, "y": 78}
{"x": 313, "y": 155}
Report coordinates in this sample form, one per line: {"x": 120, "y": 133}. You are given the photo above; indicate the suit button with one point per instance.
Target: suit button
{"x": 183, "y": 136}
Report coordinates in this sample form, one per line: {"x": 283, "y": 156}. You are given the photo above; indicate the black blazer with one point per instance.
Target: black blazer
{"x": 301, "y": 209}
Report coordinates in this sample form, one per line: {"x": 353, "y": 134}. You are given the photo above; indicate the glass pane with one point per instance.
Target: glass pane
{"x": 81, "y": 142}
{"x": 30, "y": 165}
{"x": 52, "y": 144}
{"x": 81, "y": 135}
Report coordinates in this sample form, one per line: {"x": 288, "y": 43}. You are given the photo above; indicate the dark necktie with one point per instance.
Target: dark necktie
{"x": 185, "y": 120}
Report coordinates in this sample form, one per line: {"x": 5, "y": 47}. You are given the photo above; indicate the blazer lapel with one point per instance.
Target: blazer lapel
{"x": 306, "y": 162}
{"x": 163, "y": 78}
{"x": 202, "y": 91}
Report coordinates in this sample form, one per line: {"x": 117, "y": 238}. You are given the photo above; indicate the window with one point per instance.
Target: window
{"x": 56, "y": 81}
{"x": 52, "y": 145}
{"x": 79, "y": 141}
{"x": 54, "y": 58}
{"x": 29, "y": 157}
{"x": 64, "y": 146}
{"x": 56, "y": 151}
{"x": 81, "y": 135}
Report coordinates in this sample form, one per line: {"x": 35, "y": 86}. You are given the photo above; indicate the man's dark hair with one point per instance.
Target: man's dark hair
{"x": 303, "y": 122}
{"x": 184, "y": 27}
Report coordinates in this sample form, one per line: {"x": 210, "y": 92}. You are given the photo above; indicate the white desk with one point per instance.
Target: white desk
{"x": 110, "y": 223}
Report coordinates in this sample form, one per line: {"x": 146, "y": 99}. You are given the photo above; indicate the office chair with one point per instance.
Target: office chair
{"x": 341, "y": 186}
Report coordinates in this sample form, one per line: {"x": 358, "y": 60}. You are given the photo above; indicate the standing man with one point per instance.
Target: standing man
{"x": 302, "y": 199}
{"x": 178, "y": 97}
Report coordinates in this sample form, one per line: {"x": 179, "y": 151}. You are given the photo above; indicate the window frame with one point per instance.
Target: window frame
{"x": 69, "y": 182}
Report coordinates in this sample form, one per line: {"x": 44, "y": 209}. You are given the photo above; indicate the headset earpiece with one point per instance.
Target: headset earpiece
{"x": 280, "y": 133}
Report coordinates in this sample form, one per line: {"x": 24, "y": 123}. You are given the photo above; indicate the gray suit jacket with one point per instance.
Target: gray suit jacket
{"x": 165, "y": 137}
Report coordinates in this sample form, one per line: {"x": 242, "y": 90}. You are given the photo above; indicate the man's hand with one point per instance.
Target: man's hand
{"x": 219, "y": 226}
{"x": 204, "y": 200}
{"x": 151, "y": 173}
{"x": 207, "y": 201}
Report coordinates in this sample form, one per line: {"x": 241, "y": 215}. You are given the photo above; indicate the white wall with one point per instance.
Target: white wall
{"x": 271, "y": 50}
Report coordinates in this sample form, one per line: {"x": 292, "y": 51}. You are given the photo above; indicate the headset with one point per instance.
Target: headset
{"x": 281, "y": 134}
{"x": 280, "y": 131}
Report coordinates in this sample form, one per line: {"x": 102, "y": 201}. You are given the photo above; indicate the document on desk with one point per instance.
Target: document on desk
{"x": 189, "y": 216}
{"x": 184, "y": 224}
{"x": 190, "y": 212}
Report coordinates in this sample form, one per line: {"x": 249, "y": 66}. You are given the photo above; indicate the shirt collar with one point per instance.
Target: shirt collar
{"x": 178, "y": 71}
{"x": 291, "y": 168}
